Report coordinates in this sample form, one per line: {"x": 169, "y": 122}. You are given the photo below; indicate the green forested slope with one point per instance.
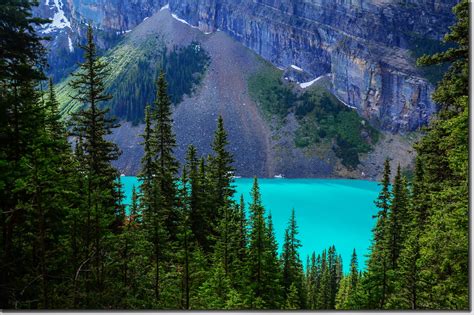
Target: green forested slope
{"x": 133, "y": 67}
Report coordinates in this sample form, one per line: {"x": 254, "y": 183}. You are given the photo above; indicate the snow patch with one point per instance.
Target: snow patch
{"x": 46, "y": 2}
{"x": 122, "y": 32}
{"x": 296, "y": 68}
{"x": 340, "y": 100}
{"x": 71, "y": 47}
{"x": 187, "y": 23}
{"x": 145, "y": 19}
{"x": 166, "y": 7}
{"x": 60, "y": 20}
{"x": 305, "y": 85}
{"x": 181, "y": 20}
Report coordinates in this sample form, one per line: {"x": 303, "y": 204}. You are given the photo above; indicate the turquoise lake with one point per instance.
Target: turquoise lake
{"x": 328, "y": 211}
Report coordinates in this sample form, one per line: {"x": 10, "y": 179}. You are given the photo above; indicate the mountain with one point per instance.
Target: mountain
{"x": 362, "y": 52}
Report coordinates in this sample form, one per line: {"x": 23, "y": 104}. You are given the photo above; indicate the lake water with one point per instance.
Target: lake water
{"x": 328, "y": 211}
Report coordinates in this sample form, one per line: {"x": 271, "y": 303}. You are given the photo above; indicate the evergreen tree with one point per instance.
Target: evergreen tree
{"x": 444, "y": 151}
{"x": 166, "y": 163}
{"x": 324, "y": 292}
{"x": 216, "y": 290}
{"x": 274, "y": 291}
{"x": 21, "y": 117}
{"x": 408, "y": 282}
{"x": 92, "y": 125}
{"x": 376, "y": 282}
{"x": 293, "y": 298}
{"x": 354, "y": 275}
{"x": 397, "y": 218}
{"x": 198, "y": 216}
{"x": 220, "y": 167}
{"x": 291, "y": 262}
{"x": 262, "y": 257}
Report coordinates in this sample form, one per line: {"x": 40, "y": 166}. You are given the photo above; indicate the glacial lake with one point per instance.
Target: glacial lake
{"x": 328, "y": 211}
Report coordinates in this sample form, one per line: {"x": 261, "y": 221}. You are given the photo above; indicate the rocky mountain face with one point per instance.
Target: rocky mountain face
{"x": 364, "y": 44}
{"x": 364, "y": 48}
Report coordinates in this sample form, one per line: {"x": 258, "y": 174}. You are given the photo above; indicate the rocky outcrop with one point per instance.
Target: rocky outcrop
{"x": 364, "y": 44}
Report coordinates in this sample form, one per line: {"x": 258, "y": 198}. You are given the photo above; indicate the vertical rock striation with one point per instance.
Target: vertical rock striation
{"x": 364, "y": 44}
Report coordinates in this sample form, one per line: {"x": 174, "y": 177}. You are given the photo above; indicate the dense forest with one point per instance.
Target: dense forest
{"x": 68, "y": 241}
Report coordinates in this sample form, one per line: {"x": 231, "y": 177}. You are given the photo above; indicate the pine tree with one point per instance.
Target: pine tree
{"x": 444, "y": 152}
{"x": 263, "y": 270}
{"x": 376, "y": 283}
{"x": 273, "y": 290}
{"x": 220, "y": 169}
{"x": 21, "y": 122}
{"x": 291, "y": 262}
{"x": 92, "y": 125}
{"x": 324, "y": 292}
{"x": 408, "y": 283}
{"x": 256, "y": 244}
{"x": 397, "y": 219}
{"x": 199, "y": 220}
{"x": 354, "y": 275}
{"x": 293, "y": 298}
{"x": 166, "y": 163}
{"x": 216, "y": 290}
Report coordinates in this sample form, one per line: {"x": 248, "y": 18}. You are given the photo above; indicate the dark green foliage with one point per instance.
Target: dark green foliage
{"x": 264, "y": 272}
{"x": 159, "y": 192}
{"x": 445, "y": 159}
{"x": 292, "y": 273}
{"x": 324, "y": 278}
{"x": 165, "y": 163}
{"x": 221, "y": 169}
{"x": 184, "y": 69}
{"x": 92, "y": 126}
{"x": 427, "y": 225}
{"x": 272, "y": 96}
{"x": 67, "y": 241}
{"x": 397, "y": 219}
{"x": 376, "y": 280}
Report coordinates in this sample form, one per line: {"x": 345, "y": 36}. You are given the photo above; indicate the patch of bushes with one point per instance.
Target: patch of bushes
{"x": 322, "y": 117}
{"x": 274, "y": 98}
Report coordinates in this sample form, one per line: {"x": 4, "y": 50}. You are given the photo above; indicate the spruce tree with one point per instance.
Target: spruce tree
{"x": 166, "y": 163}
{"x": 92, "y": 125}
{"x": 256, "y": 244}
{"x": 220, "y": 167}
{"x": 198, "y": 216}
{"x": 397, "y": 218}
{"x": 376, "y": 283}
{"x": 21, "y": 117}
{"x": 291, "y": 262}
{"x": 261, "y": 259}
{"x": 444, "y": 150}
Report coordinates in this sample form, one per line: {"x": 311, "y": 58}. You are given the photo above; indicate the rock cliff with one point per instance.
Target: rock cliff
{"x": 364, "y": 44}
